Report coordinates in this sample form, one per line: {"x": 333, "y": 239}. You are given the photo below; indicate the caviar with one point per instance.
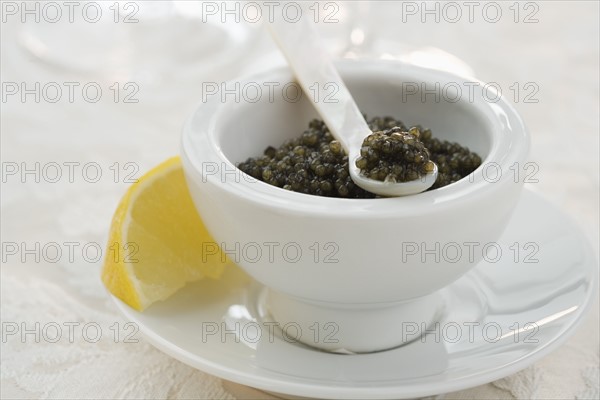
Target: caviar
{"x": 316, "y": 164}
{"x": 394, "y": 156}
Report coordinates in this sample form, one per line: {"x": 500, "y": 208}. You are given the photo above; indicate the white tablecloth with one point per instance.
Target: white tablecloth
{"x": 559, "y": 54}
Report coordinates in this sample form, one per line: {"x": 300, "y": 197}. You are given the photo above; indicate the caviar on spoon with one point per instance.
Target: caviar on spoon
{"x": 300, "y": 44}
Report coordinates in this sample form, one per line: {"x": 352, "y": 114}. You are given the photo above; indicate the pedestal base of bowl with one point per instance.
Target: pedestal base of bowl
{"x": 353, "y": 328}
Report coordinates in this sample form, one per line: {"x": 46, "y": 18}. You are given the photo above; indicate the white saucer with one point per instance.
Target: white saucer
{"x": 494, "y": 300}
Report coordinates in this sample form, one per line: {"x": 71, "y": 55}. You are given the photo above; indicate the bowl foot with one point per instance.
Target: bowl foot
{"x": 353, "y": 328}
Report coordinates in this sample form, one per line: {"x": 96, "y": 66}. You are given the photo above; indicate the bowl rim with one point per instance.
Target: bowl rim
{"x": 199, "y": 145}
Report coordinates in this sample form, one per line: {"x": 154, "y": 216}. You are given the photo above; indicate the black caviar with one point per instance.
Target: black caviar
{"x": 315, "y": 163}
{"x": 394, "y": 155}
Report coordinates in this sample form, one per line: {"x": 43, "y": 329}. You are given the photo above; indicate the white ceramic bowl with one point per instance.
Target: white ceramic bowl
{"x": 362, "y": 264}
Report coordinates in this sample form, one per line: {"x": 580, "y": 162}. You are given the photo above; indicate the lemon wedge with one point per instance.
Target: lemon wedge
{"x": 157, "y": 241}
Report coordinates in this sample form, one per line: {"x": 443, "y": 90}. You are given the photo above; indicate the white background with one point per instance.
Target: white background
{"x": 168, "y": 59}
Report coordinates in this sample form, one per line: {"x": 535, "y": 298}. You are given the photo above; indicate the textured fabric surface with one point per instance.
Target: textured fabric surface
{"x": 103, "y": 357}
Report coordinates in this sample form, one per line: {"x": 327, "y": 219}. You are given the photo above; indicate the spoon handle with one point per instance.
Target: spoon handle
{"x": 314, "y": 70}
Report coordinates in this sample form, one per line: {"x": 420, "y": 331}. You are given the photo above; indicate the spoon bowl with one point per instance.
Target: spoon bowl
{"x": 390, "y": 189}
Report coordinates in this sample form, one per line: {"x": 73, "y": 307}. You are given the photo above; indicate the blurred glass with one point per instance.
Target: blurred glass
{"x": 136, "y": 41}
{"x": 162, "y": 43}
{"x": 373, "y": 30}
